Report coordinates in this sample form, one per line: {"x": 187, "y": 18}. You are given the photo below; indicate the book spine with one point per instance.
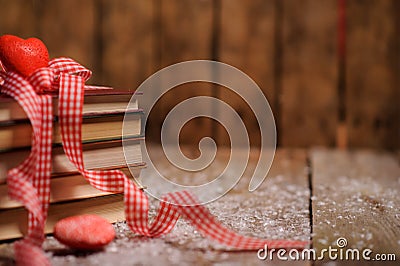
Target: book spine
{"x": 14, "y": 221}
{"x": 98, "y": 155}
{"x": 78, "y": 188}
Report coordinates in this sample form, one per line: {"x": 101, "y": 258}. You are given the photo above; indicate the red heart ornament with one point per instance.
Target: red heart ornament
{"x": 22, "y": 56}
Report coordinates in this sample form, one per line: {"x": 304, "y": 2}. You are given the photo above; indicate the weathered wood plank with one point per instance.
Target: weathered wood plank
{"x": 355, "y": 196}
{"x": 278, "y": 209}
{"x": 373, "y": 72}
{"x": 185, "y": 30}
{"x": 247, "y": 42}
{"x": 185, "y": 34}
{"x": 18, "y": 18}
{"x": 68, "y": 29}
{"x": 128, "y": 37}
{"x": 309, "y": 73}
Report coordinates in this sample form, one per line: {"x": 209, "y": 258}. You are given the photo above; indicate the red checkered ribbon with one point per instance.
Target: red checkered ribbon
{"x": 29, "y": 183}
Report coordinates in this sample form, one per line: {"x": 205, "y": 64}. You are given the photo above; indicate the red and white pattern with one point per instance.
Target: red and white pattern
{"x": 29, "y": 183}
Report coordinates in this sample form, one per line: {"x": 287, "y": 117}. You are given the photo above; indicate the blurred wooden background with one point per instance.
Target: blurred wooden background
{"x": 320, "y": 94}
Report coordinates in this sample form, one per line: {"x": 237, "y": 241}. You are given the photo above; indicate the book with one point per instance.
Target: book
{"x": 78, "y": 188}
{"x": 95, "y": 127}
{"x": 95, "y": 101}
{"x": 70, "y": 193}
{"x": 97, "y": 155}
{"x": 14, "y": 222}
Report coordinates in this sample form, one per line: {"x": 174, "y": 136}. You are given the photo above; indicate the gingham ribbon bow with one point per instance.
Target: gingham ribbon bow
{"x": 29, "y": 183}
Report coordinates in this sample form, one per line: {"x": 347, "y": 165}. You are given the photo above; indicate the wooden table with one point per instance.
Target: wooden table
{"x": 319, "y": 195}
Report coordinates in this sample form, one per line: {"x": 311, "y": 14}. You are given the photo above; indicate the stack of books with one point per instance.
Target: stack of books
{"x": 71, "y": 194}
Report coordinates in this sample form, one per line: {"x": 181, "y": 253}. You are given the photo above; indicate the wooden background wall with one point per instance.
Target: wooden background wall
{"x": 289, "y": 47}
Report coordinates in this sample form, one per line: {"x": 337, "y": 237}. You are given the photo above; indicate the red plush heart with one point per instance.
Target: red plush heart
{"x": 22, "y": 56}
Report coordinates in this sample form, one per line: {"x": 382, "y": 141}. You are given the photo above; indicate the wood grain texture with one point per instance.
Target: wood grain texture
{"x": 18, "y": 18}
{"x": 355, "y": 196}
{"x": 288, "y": 47}
{"x": 278, "y": 209}
{"x": 128, "y": 37}
{"x": 247, "y": 42}
{"x": 185, "y": 34}
{"x": 186, "y": 30}
{"x": 309, "y": 73}
{"x": 68, "y": 29}
{"x": 373, "y": 71}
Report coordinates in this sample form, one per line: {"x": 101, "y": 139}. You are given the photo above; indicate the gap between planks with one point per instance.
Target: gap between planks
{"x": 355, "y": 196}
